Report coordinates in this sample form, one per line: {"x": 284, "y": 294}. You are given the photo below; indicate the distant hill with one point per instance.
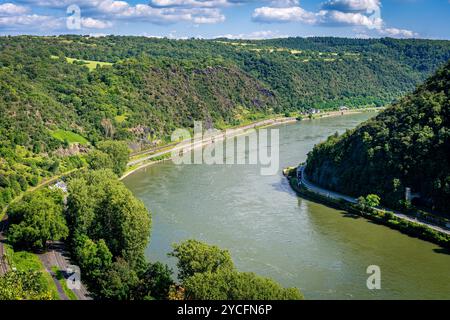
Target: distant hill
{"x": 407, "y": 145}
{"x": 137, "y": 86}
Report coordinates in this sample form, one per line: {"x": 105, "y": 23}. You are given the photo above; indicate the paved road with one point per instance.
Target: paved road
{"x": 3, "y": 263}
{"x": 338, "y": 196}
{"x": 58, "y": 256}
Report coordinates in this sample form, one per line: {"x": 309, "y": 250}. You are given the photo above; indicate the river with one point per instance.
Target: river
{"x": 271, "y": 231}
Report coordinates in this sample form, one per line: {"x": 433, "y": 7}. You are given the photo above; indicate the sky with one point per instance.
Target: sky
{"x": 238, "y": 19}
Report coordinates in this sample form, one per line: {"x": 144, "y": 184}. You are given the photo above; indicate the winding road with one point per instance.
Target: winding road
{"x": 338, "y": 196}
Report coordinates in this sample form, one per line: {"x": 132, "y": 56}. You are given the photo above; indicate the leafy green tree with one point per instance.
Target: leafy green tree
{"x": 23, "y": 285}
{"x": 101, "y": 207}
{"x": 372, "y": 200}
{"x": 97, "y": 159}
{"x": 118, "y": 152}
{"x": 37, "y": 219}
{"x": 198, "y": 257}
{"x": 119, "y": 282}
{"x": 155, "y": 282}
{"x": 232, "y": 285}
{"x": 94, "y": 258}
{"x": 406, "y": 145}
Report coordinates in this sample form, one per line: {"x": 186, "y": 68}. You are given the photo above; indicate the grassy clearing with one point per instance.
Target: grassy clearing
{"x": 71, "y": 137}
{"x": 90, "y": 64}
{"x": 62, "y": 280}
{"x": 27, "y": 261}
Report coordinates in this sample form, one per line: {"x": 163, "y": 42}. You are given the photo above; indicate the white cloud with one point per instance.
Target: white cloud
{"x": 349, "y": 18}
{"x": 400, "y": 33}
{"x": 91, "y": 23}
{"x": 34, "y": 21}
{"x": 190, "y": 3}
{"x": 156, "y": 11}
{"x": 284, "y": 14}
{"x": 357, "y": 13}
{"x": 12, "y": 9}
{"x": 256, "y": 35}
{"x": 352, "y": 5}
{"x": 284, "y": 3}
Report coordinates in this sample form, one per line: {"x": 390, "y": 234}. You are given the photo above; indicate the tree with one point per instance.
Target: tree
{"x": 93, "y": 257}
{"x": 23, "y": 285}
{"x": 232, "y": 285}
{"x": 101, "y": 207}
{"x": 198, "y": 257}
{"x": 118, "y": 152}
{"x": 372, "y": 200}
{"x": 155, "y": 282}
{"x": 119, "y": 282}
{"x": 97, "y": 159}
{"x": 37, "y": 219}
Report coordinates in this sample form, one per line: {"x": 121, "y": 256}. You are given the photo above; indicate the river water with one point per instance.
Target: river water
{"x": 271, "y": 231}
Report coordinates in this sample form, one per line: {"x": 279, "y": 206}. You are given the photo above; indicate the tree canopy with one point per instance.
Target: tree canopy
{"x": 36, "y": 219}
{"x": 405, "y": 146}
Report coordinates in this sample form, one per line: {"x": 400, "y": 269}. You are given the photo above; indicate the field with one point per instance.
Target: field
{"x": 90, "y": 64}
{"x": 70, "y": 137}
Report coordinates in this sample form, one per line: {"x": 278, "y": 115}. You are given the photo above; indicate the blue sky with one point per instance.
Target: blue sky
{"x": 250, "y": 19}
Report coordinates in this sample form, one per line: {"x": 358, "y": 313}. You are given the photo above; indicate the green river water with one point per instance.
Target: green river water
{"x": 273, "y": 232}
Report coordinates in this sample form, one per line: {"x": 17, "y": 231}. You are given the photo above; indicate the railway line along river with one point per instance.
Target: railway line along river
{"x": 271, "y": 231}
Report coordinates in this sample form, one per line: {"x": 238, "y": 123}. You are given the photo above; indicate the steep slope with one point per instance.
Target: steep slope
{"x": 407, "y": 145}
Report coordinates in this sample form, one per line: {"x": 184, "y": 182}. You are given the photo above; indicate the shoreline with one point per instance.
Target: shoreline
{"x": 415, "y": 228}
{"x": 146, "y": 161}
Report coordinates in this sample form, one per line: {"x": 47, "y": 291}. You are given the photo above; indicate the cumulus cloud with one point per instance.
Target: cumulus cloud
{"x": 190, "y": 3}
{"x": 91, "y": 23}
{"x": 400, "y": 33}
{"x": 12, "y": 9}
{"x": 352, "y": 5}
{"x": 349, "y": 18}
{"x": 357, "y": 13}
{"x": 256, "y": 35}
{"x": 26, "y": 21}
{"x": 283, "y": 14}
{"x": 155, "y": 11}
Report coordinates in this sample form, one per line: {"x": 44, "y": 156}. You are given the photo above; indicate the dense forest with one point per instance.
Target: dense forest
{"x": 76, "y": 104}
{"x": 61, "y": 95}
{"x": 407, "y": 145}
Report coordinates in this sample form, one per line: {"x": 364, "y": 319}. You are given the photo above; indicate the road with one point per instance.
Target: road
{"x": 338, "y": 196}
{"x": 3, "y": 263}
{"x": 188, "y": 145}
{"x": 57, "y": 256}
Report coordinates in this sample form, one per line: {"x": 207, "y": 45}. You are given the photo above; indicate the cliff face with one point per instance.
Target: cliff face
{"x": 407, "y": 145}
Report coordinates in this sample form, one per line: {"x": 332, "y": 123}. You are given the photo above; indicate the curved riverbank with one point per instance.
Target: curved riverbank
{"x": 146, "y": 161}
{"x": 400, "y": 222}
{"x": 297, "y": 242}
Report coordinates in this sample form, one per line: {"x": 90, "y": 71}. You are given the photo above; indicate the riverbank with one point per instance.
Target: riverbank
{"x": 163, "y": 151}
{"x": 405, "y": 225}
